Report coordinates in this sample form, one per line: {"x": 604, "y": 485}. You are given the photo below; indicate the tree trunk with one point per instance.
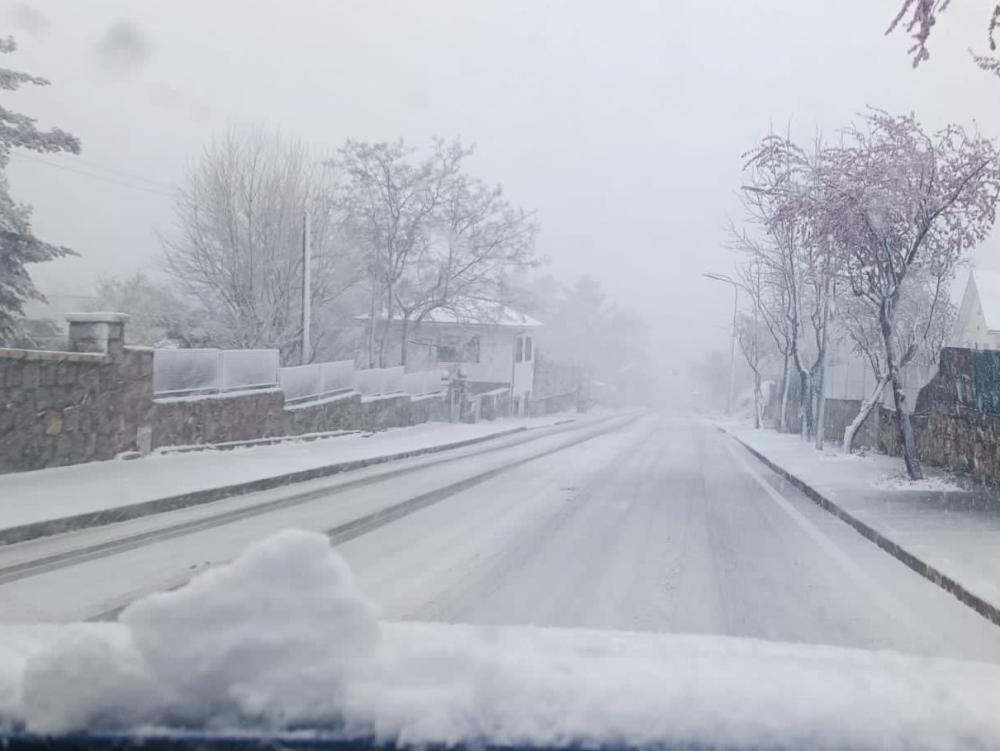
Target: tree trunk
{"x": 820, "y": 414}
{"x": 405, "y": 325}
{"x": 386, "y": 328}
{"x": 866, "y": 407}
{"x": 805, "y": 404}
{"x": 371, "y": 328}
{"x": 785, "y": 382}
{"x": 911, "y": 456}
{"x": 757, "y": 401}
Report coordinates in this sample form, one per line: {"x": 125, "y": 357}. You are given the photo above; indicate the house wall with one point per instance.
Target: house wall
{"x": 496, "y": 353}
{"x": 524, "y": 371}
{"x": 496, "y": 356}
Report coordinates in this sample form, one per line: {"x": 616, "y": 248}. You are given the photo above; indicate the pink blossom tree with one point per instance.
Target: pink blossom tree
{"x": 918, "y": 18}
{"x": 895, "y": 201}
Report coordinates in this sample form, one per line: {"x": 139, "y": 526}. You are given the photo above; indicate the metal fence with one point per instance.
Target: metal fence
{"x": 315, "y": 381}
{"x": 204, "y": 371}
{"x": 851, "y": 377}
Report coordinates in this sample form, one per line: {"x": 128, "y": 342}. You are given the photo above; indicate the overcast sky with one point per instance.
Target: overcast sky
{"x": 622, "y": 123}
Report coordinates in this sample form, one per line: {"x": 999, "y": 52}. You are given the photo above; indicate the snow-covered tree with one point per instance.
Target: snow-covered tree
{"x": 918, "y": 18}
{"x": 433, "y": 237}
{"x": 757, "y": 347}
{"x": 895, "y": 203}
{"x": 924, "y": 319}
{"x": 18, "y": 244}
{"x": 584, "y": 328}
{"x": 796, "y": 259}
{"x": 157, "y": 313}
{"x": 390, "y": 201}
{"x": 476, "y": 242}
{"x": 237, "y": 248}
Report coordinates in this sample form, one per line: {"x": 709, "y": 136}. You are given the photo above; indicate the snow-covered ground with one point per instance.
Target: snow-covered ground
{"x": 954, "y": 530}
{"x": 283, "y": 639}
{"x": 659, "y": 525}
{"x": 29, "y": 497}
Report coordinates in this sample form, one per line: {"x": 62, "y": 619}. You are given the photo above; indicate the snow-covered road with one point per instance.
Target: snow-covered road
{"x": 659, "y": 524}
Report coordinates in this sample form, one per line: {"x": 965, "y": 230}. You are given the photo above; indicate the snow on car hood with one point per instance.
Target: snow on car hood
{"x": 281, "y": 639}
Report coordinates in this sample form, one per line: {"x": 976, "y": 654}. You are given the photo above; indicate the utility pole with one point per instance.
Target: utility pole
{"x": 306, "y": 289}
{"x": 732, "y": 336}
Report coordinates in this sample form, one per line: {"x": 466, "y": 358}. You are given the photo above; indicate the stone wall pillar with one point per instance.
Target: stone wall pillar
{"x": 102, "y": 333}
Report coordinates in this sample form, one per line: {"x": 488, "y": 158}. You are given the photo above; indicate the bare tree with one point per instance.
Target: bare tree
{"x": 390, "y": 202}
{"x": 897, "y": 202}
{"x": 156, "y": 312}
{"x": 762, "y": 278}
{"x": 754, "y": 341}
{"x": 238, "y": 244}
{"x": 924, "y": 319}
{"x": 476, "y": 242}
{"x": 797, "y": 259}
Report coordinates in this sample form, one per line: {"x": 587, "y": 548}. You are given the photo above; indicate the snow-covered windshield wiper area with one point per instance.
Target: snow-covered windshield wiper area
{"x": 280, "y": 644}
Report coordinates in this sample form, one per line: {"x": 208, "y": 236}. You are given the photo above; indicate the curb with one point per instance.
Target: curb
{"x": 49, "y": 527}
{"x": 986, "y": 609}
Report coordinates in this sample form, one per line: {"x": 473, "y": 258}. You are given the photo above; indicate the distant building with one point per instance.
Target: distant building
{"x": 493, "y": 352}
{"x": 978, "y": 323}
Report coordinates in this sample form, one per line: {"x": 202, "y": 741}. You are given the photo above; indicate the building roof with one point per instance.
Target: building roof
{"x": 988, "y": 288}
{"x": 504, "y": 316}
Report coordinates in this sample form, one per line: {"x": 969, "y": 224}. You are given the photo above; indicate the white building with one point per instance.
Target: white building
{"x": 495, "y": 352}
{"x": 978, "y": 322}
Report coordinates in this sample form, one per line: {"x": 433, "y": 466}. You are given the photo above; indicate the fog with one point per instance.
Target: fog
{"x": 621, "y": 123}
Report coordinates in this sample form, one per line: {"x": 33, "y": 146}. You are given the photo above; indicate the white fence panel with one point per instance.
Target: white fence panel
{"x": 368, "y": 382}
{"x": 183, "y": 371}
{"x": 423, "y": 383}
{"x": 379, "y": 381}
{"x": 337, "y": 376}
{"x": 392, "y": 380}
{"x": 249, "y": 369}
{"x": 301, "y": 382}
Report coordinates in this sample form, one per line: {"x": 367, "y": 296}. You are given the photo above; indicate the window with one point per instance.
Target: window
{"x": 458, "y": 349}
{"x": 522, "y": 349}
{"x": 448, "y": 353}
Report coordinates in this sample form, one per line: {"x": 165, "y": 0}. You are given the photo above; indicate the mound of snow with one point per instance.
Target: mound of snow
{"x": 281, "y": 640}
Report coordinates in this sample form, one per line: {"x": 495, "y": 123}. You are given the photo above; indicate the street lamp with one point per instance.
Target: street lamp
{"x": 732, "y": 339}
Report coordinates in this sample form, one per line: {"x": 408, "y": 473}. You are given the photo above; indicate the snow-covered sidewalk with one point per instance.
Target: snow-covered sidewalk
{"x": 31, "y": 498}
{"x": 952, "y": 531}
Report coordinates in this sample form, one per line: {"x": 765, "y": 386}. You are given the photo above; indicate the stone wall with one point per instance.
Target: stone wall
{"x": 247, "y": 415}
{"x": 956, "y": 418}
{"x": 218, "y": 418}
{"x": 840, "y": 413}
{"x": 95, "y": 401}
{"x": 91, "y": 403}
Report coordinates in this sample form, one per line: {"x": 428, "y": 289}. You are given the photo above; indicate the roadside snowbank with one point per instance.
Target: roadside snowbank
{"x": 281, "y": 639}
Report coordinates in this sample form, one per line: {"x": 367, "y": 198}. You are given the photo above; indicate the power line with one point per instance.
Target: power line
{"x": 117, "y": 172}
{"x": 92, "y": 175}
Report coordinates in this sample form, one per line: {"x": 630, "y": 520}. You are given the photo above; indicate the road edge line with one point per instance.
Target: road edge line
{"x": 76, "y": 522}
{"x": 982, "y": 606}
